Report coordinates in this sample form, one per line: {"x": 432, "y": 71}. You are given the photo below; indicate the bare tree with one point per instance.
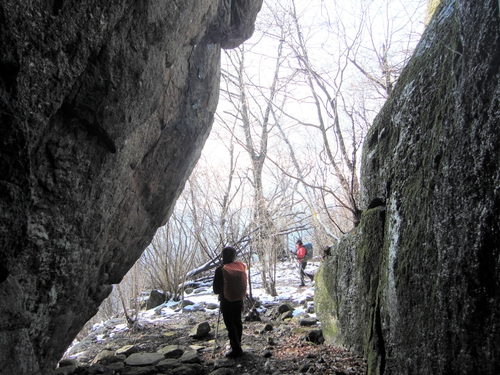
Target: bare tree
{"x": 345, "y": 91}
{"x": 296, "y": 103}
{"x": 173, "y": 252}
{"x": 252, "y": 110}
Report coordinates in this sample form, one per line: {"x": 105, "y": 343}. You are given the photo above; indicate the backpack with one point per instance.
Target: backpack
{"x": 235, "y": 281}
{"x": 309, "y": 251}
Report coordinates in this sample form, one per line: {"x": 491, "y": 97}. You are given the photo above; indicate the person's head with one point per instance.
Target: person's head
{"x": 228, "y": 255}
{"x": 299, "y": 242}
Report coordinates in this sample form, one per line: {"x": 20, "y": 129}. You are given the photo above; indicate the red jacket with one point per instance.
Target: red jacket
{"x": 301, "y": 253}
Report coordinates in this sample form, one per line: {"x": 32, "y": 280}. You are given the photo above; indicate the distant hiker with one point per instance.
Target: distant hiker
{"x": 302, "y": 256}
{"x": 230, "y": 283}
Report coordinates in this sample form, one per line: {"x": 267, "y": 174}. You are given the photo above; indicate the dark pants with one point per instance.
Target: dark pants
{"x": 231, "y": 313}
{"x": 302, "y": 267}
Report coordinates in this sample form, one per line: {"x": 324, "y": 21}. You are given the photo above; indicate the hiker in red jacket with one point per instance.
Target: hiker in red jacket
{"x": 301, "y": 252}
{"x": 230, "y": 283}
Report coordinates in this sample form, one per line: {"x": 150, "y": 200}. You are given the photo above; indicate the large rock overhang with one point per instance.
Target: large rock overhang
{"x": 104, "y": 110}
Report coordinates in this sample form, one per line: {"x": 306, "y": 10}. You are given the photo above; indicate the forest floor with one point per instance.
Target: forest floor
{"x": 273, "y": 345}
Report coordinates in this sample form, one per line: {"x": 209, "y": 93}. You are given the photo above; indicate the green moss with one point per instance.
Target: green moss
{"x": 347, "y": 284}
{"x": 373, "y": 363}
{"x": 324, "y": 302}
{"x": 403, "y": 154}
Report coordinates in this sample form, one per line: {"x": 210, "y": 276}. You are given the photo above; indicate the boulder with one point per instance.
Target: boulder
{"x": 286, "y": 315}
{"x": 308, "y": 322}
{"x": 284, "y": 307}
{"x": 127, "y": 350}
{"x": 185, "y": 303}
{"x": 106, "y": 357}
{"x": 415, "y": 286}
{"x": 200, "y": 330}
{"x": 190, "y": 356}
{"x": 155, "y": 299}
{"x": 104, "y": 110}
{"x": 167, "y": 364}
{"x": 172, "y": 351}
{"x": 212, "y": 306}
{"x": 315, "y": 336}
{"x": 223, "y": 362}
{"x": 144, "y": 359}
{"x": 268, "y": 327}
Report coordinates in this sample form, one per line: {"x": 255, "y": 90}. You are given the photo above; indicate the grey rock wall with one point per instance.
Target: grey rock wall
{"x": 104, "y": 109}
{"x": 416, "y": 286}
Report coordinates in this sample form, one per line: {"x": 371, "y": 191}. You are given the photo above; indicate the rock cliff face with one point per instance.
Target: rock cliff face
{"x": 104, "y": 109}
{"x": 416, "y": 286}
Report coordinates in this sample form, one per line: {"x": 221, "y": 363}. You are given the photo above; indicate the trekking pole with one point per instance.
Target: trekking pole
{"x": 216, "y": 334}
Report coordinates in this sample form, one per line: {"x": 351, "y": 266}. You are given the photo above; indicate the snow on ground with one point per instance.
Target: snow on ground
{"x": 203, "y": 297}
{"x": 286, "y": 288}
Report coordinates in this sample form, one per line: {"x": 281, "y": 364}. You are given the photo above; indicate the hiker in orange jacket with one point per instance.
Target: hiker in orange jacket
{"x": 230, "y": 283}
{"x": 301, "y": 252}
